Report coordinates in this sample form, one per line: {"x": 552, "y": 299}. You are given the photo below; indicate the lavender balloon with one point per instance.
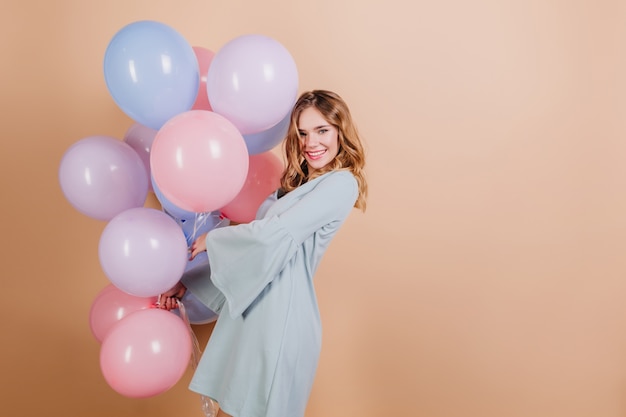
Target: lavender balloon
{"x": 253, "y": 82}
{"x": 143, "y": 252}
{"x": 140, "y": 138}
{"x": 102, "y": 177}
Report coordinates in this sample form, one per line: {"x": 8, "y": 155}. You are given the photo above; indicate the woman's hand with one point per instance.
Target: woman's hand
{"x": 169, "y": 300}
{"x": 199, "y": 245}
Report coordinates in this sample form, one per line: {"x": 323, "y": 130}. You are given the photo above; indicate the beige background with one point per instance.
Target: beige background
{"x": 488, "y": 276}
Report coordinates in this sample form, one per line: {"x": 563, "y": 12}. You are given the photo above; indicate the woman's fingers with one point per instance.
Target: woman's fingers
{"x": 194, "y": 250}
{"x": 168, "y": 303}
{"x": 197, "y": 246}
{"x": 169, "y": 299}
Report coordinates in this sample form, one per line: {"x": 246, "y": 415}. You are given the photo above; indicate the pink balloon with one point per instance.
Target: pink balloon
{"x": 204, "y": 56}
{"x": 143, "y": 252}
{"x": 102, "y": 176}
{"x": 199, "y": 161}
{"x": 263, "y": 178}
{"x": 140, "y": 138}
{"x": 146, "y": 353}
{"x": 253, "y": 82}
{"x": 110, "y": 306}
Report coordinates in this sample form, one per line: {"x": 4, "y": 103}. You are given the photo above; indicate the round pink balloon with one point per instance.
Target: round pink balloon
{"x": 253, "y": 82}
{"x": 146, "y": 353}
{"x": 110, "y": 306}
{"x": 143, "y": 252}
{"x": 199, "y": 161}
{"x": 140, "y": 138}
{"x": 263, "y": 178}
{"x": 204, "y": 56}
{"x": 102, "y": 176}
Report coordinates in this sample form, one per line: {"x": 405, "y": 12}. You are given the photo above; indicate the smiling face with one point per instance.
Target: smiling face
{"x": 319, "y": 141}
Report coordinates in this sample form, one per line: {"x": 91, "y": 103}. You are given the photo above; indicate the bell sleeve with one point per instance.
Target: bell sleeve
{"x": 245, "y": 258}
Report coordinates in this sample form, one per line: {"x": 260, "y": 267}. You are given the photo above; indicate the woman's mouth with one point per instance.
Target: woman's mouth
{"x": 313, "y": 155}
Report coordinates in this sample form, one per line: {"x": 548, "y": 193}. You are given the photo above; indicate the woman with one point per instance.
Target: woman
{"x": 262, "y": 356}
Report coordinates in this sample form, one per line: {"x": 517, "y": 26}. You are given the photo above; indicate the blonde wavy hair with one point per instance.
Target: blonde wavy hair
{"x": 350, "y": 157}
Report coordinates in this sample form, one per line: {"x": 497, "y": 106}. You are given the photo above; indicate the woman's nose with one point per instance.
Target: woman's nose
{"x": 311, "y": 139}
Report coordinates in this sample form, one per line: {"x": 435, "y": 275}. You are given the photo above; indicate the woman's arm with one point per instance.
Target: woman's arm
{"x": 331, "y": 200}
{"x": 247, "y": 257}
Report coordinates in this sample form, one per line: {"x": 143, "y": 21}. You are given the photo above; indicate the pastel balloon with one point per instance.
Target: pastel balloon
{"x": 263, "y": 178}
{"x": 102, "y": 176}
{"x": 199, "y": 161}
{"x": 140, "y": 138}
{"x": 170, "y": 208}
{"x": 187, "y": 220}
{"x": 110, "y": 306}
{"x": 253, "y": 82}
{"x": 204, "y": 56}
{"x": 143, "y": 252}
{"x": 267, "y": 139}
{"x": 146, "y": 353}
{"x": 151, "y": 72}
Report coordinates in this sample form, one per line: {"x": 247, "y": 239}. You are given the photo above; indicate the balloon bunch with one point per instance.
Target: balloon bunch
{"x": 204, "y": 125}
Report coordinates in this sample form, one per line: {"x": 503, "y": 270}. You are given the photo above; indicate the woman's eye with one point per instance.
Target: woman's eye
{"x": 322, "y": 131}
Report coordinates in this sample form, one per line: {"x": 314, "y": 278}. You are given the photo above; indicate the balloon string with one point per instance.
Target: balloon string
{"x": 195, "y": 352}
{"x": 209, "y": 407}
{"x": 198, "y": 222}
{"x": 223, "y": 219}
{"x": 201, "y": 219}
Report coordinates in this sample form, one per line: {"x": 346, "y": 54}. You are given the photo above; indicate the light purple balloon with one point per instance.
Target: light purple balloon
{"x": 253, "y": 82}
{"x": 102, "y": 176}
{"x": 140, "y": 138}
{"x": 143, "y": 252}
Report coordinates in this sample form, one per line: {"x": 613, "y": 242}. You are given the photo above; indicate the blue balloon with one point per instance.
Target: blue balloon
{"x": 151, "y": 72}
{"x": 265, "y": 140}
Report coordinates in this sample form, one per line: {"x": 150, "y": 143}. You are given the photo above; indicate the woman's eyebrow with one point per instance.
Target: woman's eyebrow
{"x": 315, "y": 128}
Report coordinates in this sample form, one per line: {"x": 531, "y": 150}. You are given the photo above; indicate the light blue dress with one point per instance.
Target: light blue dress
{"x": 262, "y": 356}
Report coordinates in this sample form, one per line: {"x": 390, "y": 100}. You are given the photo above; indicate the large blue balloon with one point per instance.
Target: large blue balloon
{"x": 151, "y": 72}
